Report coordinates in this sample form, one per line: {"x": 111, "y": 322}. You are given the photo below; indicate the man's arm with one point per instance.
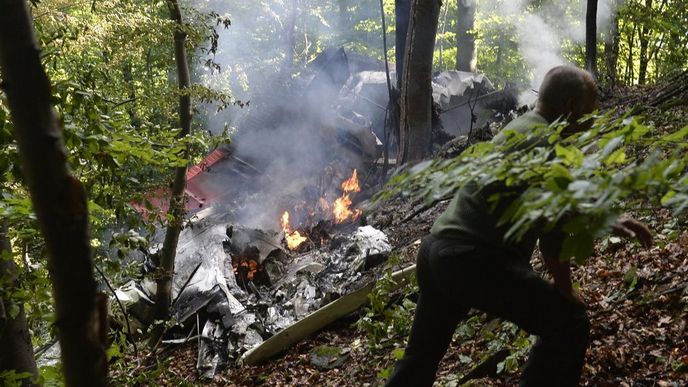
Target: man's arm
{"x": 628, "y": 227}
{"x": 550, "y": 246}
{"x": 561, "y": 273}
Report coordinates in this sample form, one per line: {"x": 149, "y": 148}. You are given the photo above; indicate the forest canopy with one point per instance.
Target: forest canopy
{"x": 142, "y": 96}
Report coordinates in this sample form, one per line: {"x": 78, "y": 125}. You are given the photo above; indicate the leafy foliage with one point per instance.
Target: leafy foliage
{"x": 12, "y": 378}
{"x": 390, "y": 310}
{"x": 110, "y": 67}
{"x": 577, "y": 182}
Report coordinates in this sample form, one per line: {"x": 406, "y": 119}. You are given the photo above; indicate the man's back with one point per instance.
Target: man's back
{"x": 470, "y": 217}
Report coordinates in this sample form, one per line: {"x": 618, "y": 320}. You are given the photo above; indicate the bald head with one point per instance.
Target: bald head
{"x": 567, "y": 92}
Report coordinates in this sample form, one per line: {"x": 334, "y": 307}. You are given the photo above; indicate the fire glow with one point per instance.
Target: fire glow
{"x": 342, "y": 206}
{"x": 294, "y": 238}
{"x": 340, "y": 210}
{"x": 245, "y": 268}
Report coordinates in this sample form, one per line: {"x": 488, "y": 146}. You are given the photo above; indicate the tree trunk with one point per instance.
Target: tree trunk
{"x": 289, "y": 40}
{"x": 466, "y": 53}
{"x": 611, "y": 49}
{"x": 131, "y": 110}
{"x": 416, "y": 87}
{"x": 343, "y": 24}
{"x": 402, "y": 10}
{"x": 644, "y": 42}
{"x": 176, "y": 211}
{"x": 500, "y": 53}
{"x": 591, "y": 38}
{"x": 630, "y": 66}
{"x": 658, "y": 46}
{"x": 58, "y": 199}
{"x": 15, "y": 339}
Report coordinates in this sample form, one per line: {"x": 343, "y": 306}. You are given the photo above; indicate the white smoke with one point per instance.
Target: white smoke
{"x": 540, "y": 46}
{"x": 280, "y": 133}
{"x": 543, "y": 31}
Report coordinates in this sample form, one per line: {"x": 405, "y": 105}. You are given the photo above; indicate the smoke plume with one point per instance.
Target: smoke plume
{"x": 543, "y": 31}
{"x": 284, "y": 132}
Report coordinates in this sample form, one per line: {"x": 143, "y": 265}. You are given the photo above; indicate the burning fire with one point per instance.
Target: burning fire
{"x": 324, "y": 204}
{"x": 340, "y": 209}
{"x": 294, "y": 238}
{"x": 351, "y": 184}
{"x": 247, "y": 266}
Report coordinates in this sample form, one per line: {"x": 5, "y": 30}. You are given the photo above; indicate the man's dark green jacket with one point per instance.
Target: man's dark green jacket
{"x": 470, "y": 218}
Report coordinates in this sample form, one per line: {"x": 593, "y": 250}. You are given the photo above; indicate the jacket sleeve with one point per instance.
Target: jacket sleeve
{"x": 550, "y": 242}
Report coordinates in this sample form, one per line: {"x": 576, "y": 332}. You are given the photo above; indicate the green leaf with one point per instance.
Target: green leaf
{"x": 559, "y": 170}
{"x": 676, "y": 136}
{"x": 611, "y": 145}
{"x": 638, "y": 130}
{"x": 617, "y": 157}
{"x": 578, "y": 246}
{"x": 571, "y": 155}
{"x": 384, "y": 373}
{"x": 398, "y": 353}
{"x": 559, "y": 178}
{"x": 631, "y": 277}
{"x": 667, "y": 197}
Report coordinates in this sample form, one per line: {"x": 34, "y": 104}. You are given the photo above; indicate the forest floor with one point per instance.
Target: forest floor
{"x": 637, "y": 301}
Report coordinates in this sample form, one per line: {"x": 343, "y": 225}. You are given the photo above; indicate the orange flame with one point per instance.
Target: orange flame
{"x": 351, "y": 184}
{"x": 341, "y": 208}
{"x": 324, "y": 204}
{"x": 249, "y": 266}
{"x": 294, "y": 239}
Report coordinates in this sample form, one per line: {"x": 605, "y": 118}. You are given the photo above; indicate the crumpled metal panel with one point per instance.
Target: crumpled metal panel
{"x": 235, "y": 319}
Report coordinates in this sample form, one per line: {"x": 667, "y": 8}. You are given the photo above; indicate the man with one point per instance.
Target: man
{"x": 466, "y": 263}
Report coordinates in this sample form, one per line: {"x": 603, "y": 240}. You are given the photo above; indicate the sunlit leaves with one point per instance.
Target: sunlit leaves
{"x": 579, "y": 180}
{"x": 679, "y": 135}
{"x": 111, "y": 70}
{"x": 570, "y": 155}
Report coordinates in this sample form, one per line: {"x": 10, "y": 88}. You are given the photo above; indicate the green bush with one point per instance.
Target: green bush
{"x": 577, "y": 181}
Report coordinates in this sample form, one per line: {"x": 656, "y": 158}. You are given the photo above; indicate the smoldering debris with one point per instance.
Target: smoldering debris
{"x": 230, "y": 313}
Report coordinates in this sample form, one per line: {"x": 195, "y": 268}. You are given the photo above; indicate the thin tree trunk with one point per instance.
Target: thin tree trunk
{"x": 402, "y": 10}
{"x": 630, "y": 66}
{"x": 466, "y": 53}
{"x": 343, "y": 22}
{"x": 658, "y": 46}
{"x": 443, "y": 24}
{"x": 58, "y": 199}
{"x": 654, "y": 51}
{"x": 591, "y": 38}
{"x": 644, "y": 42}
{"x": 131, "y": 110}
{"x": 290, "y": 40}
{"x": 15, "y": 339}
{"x": 416, "y": 87}
{"x": 149, "y": 69}
{"x": 176, "y": 210}
{"x": 611, "y": 49}
{"x": 306, "y": 47}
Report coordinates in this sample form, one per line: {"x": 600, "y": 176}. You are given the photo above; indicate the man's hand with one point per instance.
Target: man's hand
{"x": 628, "y": 227}
{"x": 571, "y": 295}
{"x": 561, "y": 274}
